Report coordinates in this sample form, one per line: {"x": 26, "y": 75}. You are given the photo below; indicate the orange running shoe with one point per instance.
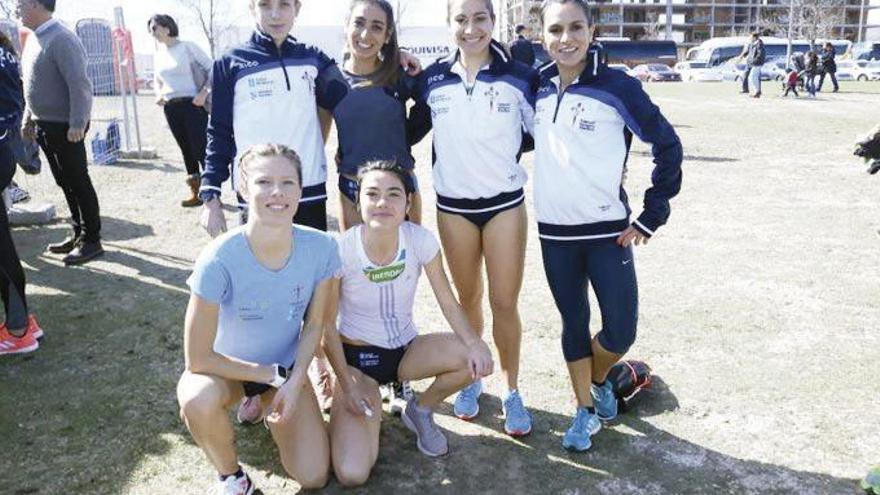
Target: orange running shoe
{"x": 10, "y": 344}
{"x": 33, "y": 327}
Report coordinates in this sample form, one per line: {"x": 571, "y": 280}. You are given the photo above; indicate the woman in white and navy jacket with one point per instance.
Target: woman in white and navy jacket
{"x": 479, "y": 100}
{"x": 585, "y": 117}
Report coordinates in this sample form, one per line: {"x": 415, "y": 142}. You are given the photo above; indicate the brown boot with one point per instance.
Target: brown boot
{"x": 193, "y": 182}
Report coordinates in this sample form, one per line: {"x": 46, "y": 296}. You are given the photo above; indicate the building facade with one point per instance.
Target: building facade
{"x": 690, "y": 22}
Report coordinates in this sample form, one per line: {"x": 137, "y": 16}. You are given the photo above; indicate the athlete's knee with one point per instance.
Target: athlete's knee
{"x": 504, "y": 304}
{"x": 472, "y": 297}
{"x": 351, "y": 475}
{"x": 312, "y": 481}
{"x": 618, "y": 340}
{"x": 197, "y": 400}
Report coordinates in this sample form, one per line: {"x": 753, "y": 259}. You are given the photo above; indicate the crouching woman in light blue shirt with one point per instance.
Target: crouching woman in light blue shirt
{"x": 255, "y": 317}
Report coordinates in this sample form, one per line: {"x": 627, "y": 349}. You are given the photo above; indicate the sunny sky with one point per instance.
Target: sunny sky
{"x": 315, "y": 12}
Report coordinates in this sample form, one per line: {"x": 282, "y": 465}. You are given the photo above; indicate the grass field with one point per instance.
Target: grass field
{"x": 760, "y": 308}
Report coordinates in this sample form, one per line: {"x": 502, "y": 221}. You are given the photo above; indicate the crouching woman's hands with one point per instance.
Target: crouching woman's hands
{"x": 479, "y": 358}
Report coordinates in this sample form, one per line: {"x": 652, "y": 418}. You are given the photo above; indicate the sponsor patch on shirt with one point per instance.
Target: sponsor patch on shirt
{"x": 387, "y": 273}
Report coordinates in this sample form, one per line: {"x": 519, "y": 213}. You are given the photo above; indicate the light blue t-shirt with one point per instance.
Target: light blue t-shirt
{"x": 261, "y": 310}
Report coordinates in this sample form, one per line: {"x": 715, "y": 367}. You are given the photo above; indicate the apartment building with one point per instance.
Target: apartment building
{"x": 691, "y": 22}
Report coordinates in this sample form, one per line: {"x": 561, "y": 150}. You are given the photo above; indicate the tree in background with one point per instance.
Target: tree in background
{"x": 7, "y": 7}
{"x": 813, "y": 20}
{"x": 213, "y": 17}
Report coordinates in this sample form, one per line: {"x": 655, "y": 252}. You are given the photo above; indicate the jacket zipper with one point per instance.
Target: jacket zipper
{"x": 283, "y": 68}
{"x": 559, "y": 104}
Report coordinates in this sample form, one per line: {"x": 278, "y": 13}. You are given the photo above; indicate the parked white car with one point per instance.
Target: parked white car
{"x": 873, "y": 70}
{"x": 698, "y": 71}
{"x": 852, "y": 70}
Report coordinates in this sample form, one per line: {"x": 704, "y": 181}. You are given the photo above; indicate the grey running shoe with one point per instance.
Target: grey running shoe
{"x": 430, "y": 440}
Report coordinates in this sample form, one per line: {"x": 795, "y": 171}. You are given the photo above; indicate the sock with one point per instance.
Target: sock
{"x": 237, "y": 474}
{"x": 600, "y": 384}
{"x": 591, "y": 409}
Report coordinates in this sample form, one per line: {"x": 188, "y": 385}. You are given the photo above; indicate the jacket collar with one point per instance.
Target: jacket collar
{"x": 595, "y": 66}
{"x": 260, "y": 38}
{"x": 500, "y": 59}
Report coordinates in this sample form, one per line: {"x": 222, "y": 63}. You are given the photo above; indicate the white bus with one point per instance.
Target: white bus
{"x": 716, "y": 51}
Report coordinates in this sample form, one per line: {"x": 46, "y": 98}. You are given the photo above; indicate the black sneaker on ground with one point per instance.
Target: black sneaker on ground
{"x": 64, "y": 246}
{"x": 84, "y": 252}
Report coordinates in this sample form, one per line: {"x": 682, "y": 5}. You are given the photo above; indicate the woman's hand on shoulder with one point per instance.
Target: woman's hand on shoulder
{"x": 479, "y": 358}
{"x": 410, "y": 63}
{"x": 632, "y": 235}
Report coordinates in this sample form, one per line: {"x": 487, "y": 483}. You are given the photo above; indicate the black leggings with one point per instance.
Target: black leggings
{"x": 11, "y": 274}
{"x": 189, "y": 125}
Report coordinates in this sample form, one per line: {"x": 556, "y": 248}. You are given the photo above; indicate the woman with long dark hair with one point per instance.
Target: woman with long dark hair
{"x": 182, "y": 79}
{"x": 371, "y": 119}
{"x": 586, "y": 115}
{"x": 18, "y": 332}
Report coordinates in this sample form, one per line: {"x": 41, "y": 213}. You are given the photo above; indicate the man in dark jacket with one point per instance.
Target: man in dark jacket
{"x": 756, "y": 55}
{"x": 521, "y": 49}
{"x": 829, "y": 66}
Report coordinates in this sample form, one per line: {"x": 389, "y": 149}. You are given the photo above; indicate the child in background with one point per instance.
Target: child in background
{"x": 791, "y": 82}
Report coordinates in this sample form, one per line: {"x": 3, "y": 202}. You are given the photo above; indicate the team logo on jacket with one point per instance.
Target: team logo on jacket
{"x": 576, "y": 111}
{"x": 492, "y": 93}
{"x": 260, "y": 87}
{"x": 310, "y": 82}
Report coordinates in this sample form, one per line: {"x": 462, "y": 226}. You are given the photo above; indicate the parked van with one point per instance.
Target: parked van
{"x": 866, "y": 50}
{"x": 716, "y": 51}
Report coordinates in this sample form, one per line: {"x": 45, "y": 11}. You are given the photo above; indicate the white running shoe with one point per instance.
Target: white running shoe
{"x": 241, "y": 485}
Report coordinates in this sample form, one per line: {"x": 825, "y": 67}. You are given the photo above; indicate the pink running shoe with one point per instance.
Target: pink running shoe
{"x": 250, "y": 411}
{"x": 10, "y": 344}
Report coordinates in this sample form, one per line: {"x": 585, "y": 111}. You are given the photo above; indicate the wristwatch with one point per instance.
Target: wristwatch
{"x": 280, "y": 376}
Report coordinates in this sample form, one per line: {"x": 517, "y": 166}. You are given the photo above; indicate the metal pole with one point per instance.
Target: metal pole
{"x": 790, "y": 27}
{"x": 861, "y": 21}
{"x": 668, "y": 19}
{"x": 122, "y": 91}
{"x": 129, "y": 82}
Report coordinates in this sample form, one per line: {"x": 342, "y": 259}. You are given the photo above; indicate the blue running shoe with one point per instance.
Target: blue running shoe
{"x": 605, "y": 401}
{"x": 467, "y": 404}
{"x": 517, "y": 421}
{"x": 584, "y": 425}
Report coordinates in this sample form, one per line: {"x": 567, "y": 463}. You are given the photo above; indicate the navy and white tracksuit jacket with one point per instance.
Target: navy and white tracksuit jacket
{"x": 582, "y": 141}
{"x": 478, "y": 132}
{"x": 263, "y": 94}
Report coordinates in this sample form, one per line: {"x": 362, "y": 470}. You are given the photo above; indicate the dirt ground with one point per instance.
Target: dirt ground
{"x": 760, "y": 306}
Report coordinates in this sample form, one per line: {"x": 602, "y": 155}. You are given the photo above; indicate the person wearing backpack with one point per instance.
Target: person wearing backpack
{"x": 182, "y": 83}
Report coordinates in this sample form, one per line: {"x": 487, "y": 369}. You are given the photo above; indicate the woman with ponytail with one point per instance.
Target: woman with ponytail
{"x": 371, "y": 119}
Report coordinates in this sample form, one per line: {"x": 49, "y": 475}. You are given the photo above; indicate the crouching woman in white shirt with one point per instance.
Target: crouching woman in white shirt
{"x": 377, "y": 341}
